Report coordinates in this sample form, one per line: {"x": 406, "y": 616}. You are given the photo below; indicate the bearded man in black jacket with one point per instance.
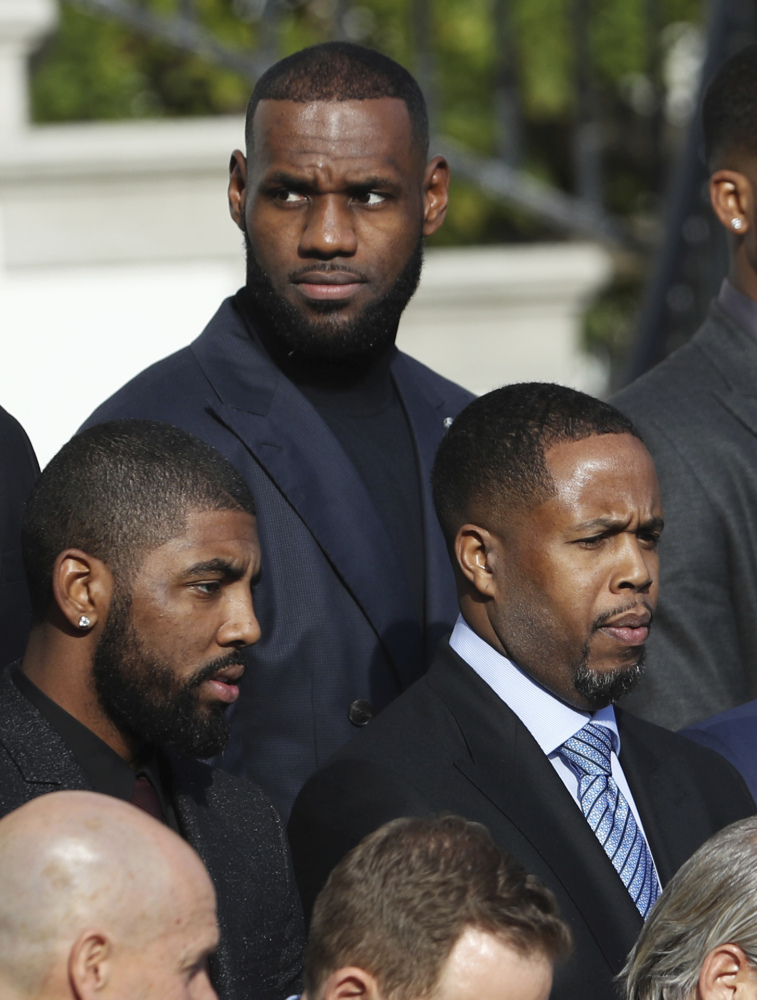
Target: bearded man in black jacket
{"x": 141, "y": 550}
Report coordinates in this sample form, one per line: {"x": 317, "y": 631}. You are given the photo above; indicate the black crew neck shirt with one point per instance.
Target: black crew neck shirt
{"x": 364, "y": 411}
{"x": 108, "y": 773}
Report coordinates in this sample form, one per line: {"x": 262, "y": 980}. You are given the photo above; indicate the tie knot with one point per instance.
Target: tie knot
{"x": 589, "y": 750}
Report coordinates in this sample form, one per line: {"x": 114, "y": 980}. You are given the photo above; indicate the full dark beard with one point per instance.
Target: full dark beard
{"x": 143, "y": 698}
{"x": 328, "y": 337}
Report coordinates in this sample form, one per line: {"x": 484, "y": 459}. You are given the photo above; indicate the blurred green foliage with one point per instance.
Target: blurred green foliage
{"x": 98, "y": 68}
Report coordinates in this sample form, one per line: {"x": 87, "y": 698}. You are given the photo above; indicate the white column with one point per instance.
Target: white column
{"x": 23, "y": 23}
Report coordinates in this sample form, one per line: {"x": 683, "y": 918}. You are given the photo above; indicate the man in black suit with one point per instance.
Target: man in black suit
{"x": 551, "y": 508}
{"x": 698, "y": 416}
{"x": 18, "y": 470}
{"x": 297, "y": 381}
{"x": 140, "y": 548}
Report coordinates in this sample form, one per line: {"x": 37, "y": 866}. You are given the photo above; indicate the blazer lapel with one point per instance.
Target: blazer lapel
{"x": 426, "y": 411}
{"x": 296, "y": 448}
{"x": 41, "y": 756}
{"x": 510, "y": 769}
{"x": 661, "y": 790}
{"x": 732, "y": 352}
{"x": 742, "y": 407}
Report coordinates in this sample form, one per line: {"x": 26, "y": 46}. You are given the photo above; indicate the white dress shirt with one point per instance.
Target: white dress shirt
{"x": 550, "y": 721}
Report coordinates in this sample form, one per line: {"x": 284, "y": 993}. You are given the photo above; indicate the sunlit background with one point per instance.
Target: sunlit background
{"x": 579, "y": 245}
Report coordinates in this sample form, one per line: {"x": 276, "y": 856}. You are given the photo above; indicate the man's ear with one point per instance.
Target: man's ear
{"x": 476, "y": 551}
{"x": 238, "y": 187}
{"x": 435, "y": 194}
{"x": 726, "y": 974}
{"x": 351, "y": 983}
{"x": 89, "y": 965}
{"x": 732, "y": 200}
{"x": 82, "y": 588}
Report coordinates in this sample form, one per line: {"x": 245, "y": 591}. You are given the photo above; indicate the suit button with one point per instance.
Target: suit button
{"x": 360, "y": 712}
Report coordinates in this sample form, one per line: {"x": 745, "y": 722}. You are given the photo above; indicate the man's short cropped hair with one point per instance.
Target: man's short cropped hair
{"x": 397, "y": 904}
{"x": 712, "y": 900}
{"x": 119, "y": 490}
{"x": 729, "y": 108}
{"x": 492, "y": 459}
{"x": 340, "y": 71}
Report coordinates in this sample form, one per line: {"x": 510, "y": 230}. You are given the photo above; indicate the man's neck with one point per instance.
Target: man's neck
{"x": 320, "y": 373}
{"x": 63, "y": 672}
{"x": 742, "y": 276}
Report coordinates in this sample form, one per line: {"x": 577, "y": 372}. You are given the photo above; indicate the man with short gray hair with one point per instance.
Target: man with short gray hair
{"x": 700, "y": 943}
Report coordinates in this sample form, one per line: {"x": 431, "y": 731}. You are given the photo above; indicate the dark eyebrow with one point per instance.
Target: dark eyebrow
{"x": 654, "y": 524}
{"x": 229, "y": 571}
{"x": 374, "y": 183}
{"x": 280, "y": 178}
{"x": 613, "y": 524}
{"x": 291, "y": 182}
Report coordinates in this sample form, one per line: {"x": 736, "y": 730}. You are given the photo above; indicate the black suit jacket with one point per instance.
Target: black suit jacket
{"x": 449, "y": 745}
{"x": 338, "y": 617}
{"x": 229, "y": 822}
{"x": 18, "y": 472}
{"x": 697, "y": 413}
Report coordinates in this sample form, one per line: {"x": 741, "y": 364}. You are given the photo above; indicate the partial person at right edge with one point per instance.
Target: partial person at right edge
{"x": 697, "y": 413}
{"x": 700, "y": 942}
{"x": 18, "y": 472}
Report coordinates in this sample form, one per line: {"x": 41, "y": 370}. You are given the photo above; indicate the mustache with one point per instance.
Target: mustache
{"x": 327, "y": 267}
{"x": 621, "y": 609}
{"x": 232, "y": 659}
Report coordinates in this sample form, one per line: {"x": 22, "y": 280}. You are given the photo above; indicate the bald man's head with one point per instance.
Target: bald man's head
{"x": 97, "y": 899}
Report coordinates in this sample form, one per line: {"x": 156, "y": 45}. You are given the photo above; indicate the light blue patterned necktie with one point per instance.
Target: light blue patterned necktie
{"x": 609, "y": 815}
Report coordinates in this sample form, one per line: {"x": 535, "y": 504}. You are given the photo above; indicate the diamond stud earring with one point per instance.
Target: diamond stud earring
{"x": 84, "y": 622}
{"x": 736, "y": 223}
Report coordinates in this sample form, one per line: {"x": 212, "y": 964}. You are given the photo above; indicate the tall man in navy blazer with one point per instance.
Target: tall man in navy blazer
{"x": 297, "y": 381}
{"x": 551, "y": 507}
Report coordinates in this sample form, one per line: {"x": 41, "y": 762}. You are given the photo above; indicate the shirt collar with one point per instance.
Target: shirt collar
{"x": 549, "y": 720}
{"x": 108, "y": 773}
{"x": 739, "y": 307}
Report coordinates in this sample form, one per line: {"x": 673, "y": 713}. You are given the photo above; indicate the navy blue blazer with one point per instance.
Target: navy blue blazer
{"x": 18, "y": 472}
{"x": 337, "y": 614}
{"x": 733, "y": 734}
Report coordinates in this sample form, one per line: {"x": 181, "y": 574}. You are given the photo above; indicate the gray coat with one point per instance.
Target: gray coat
{"x": 697, "y": 413}
{"x": 229, "y": 822}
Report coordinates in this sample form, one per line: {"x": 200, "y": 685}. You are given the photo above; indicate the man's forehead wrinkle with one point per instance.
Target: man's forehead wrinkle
{"x": 319, "y": 132}
{"x": 344, "y": 154}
